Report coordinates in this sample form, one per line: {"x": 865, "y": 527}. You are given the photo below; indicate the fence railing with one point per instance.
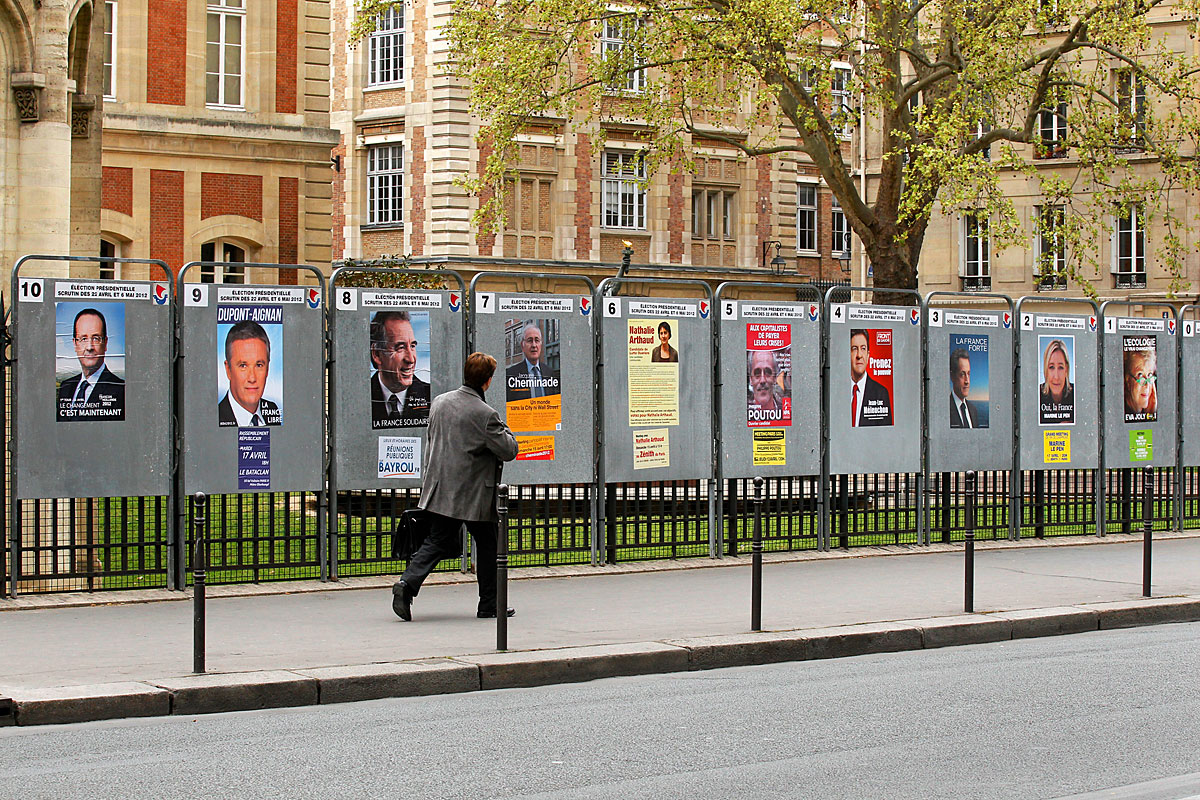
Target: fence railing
{"x": 72, "y": 545}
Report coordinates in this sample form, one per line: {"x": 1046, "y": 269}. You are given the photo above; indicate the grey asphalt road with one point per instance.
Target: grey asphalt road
{"x": 71, "y": 646}
{"x": 1034, "y": 718}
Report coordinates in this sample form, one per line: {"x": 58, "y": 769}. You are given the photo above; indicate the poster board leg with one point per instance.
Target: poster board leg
{"x": 322, "y": 531}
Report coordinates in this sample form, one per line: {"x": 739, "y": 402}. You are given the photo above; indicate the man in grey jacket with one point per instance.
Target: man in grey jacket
{"x": 464, "y": 453}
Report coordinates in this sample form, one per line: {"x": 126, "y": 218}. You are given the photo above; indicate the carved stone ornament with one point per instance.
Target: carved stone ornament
{"x": 81, "y": 119}
{"x": 26, "y": 99}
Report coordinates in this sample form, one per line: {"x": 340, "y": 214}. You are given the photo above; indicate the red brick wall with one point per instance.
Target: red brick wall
{"x": 338, "y": 220}
{"x": 485, "y": 236}
{"x": 285, "y": 55}
{"x": 765, "y": 209}
{"x": 583, "y": 197}
{"x": 415, "y": 221}
{"x": 675, "y": 218}
{"x": 231, "y": 194}
{"x": 166, "y": 30}
{"x": 116, "y": 190}
{"x": 166, "y": 216}
{"x": 289, "y": 227}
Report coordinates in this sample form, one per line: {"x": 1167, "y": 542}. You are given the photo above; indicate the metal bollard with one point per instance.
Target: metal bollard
{"x": 199, "y": 575}
{"x": 1147, "y": 526}
{"x": 502, "y": 571}
{"x": 969, "y": 541}
{"x": 756, "y": 550}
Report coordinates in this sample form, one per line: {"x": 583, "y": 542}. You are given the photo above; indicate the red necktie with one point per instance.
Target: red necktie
{"x": 853, "y": 406}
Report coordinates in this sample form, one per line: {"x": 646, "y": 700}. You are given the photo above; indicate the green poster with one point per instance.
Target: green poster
{"x": 1141, "y": 445}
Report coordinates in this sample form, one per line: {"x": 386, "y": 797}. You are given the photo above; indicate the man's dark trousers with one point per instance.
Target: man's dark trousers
{"x": 443, "y": 542}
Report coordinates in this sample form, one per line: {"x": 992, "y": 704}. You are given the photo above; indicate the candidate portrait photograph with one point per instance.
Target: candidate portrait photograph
{"x": 969, "y": 382}
{"x": 245, "y": 379}
{"x": 90, "y": 361}
{"x": 870, "y": 400}
{"x": 1056, "y": 392}
{"x": 531, "y": 373}
{"x": 399, "y": 357}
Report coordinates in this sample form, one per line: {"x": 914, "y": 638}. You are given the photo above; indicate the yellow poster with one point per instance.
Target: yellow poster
{"x": 535, "y": 414}
{"x": 1056, "y": 447}
{"x": 653, "y": 373}
{"x": 652, "y": 448}
{"x": 770, "y": 447}
{"x": 535, "y": 448}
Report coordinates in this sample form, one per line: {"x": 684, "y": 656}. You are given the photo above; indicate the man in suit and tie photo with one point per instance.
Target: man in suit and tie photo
{"x": 247, "y": 365}
{"x": 964, "y": 413}
{"x": 531, "y": 377}
{"x": 870, "y": 400}
{"x": 399, "y": 399}
{"x": 96, "y": 393}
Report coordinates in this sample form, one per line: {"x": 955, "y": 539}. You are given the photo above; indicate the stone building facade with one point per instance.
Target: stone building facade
{"x": 216, "y": 136}
{"x": 406, "y": 134}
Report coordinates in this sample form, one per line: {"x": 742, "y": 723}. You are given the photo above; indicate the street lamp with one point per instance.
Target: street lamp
{"x": 778, "y": 265}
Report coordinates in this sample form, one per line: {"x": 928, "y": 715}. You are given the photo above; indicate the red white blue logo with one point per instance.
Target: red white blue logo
{"x": 1171, "y": 327}
{"x": 1007, "y": 319}
{"x": 585, "y": 305}
{"x": 455, "y": 302}
{"x": 1092, "y": 324}
{"x": 704, "y": 309}
{"x": 314, "y": 298}
{"x": 813, "y": 311}
{"x": 160, "y": 294}
{"x": 914, "y": 315}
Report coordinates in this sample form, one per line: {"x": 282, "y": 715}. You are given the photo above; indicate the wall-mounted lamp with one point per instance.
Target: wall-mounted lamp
{"x": 778, "y": 265}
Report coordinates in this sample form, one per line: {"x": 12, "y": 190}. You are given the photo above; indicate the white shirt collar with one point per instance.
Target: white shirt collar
{"x": 387, "y": 393}
{"x": 243, "y": 416}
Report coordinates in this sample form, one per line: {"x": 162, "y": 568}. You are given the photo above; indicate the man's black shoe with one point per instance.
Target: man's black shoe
{"x": 492, "y": 614}
{"x": 402, "y": 601}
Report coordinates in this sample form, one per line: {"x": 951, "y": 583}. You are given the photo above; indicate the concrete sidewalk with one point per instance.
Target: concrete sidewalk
{"x": 65, "y": 659}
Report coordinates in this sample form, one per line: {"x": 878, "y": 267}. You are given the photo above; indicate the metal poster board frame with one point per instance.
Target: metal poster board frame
{"x": 1187, "y": 328}
{"x": 824, "y": 537}
{"x": 332, "y": 377}
{"x": 14, "y": 452}
{"x": 537, "y": 473}
{"x": 1017, "y": 490}
{"x": 182, "y": 288}
{"x": 609, "y": 289}
{"x": 935, "y": 316}
{"x": 796, "y": 430}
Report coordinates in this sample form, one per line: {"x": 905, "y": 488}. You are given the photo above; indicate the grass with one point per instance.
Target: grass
{"x": 280, "y": 541}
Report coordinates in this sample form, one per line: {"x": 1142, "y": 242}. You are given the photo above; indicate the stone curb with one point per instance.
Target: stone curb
{"x": 200, "y": 694}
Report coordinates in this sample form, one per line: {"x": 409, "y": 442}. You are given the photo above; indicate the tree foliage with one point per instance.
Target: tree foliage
{"x": 956, "y": 96}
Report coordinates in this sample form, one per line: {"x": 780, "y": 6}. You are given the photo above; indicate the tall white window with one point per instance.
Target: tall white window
{"x": 841, "y": 115}
{"x": 976, "y": 264}
{"x": 1052, "y": 125}
{"x": 385, "y": 184}
{"x": 385, "y": 61}
{"x": 1131, "y": 109}
{"x": 806, "y": 218}
{"x": 712, "y": 213}
{"x": 840, "y": 229}
{"x": 1050, "y": 266}
{"x": 1129, "y": 262}
{"x": 225, "y": 55}
{"x": 622, "y": 191}
{"x": 614, "y": 48}
{"x": 110, "y": 47}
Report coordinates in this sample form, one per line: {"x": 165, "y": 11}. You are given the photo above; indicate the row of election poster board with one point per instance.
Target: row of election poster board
{"x": 662, "y": 388}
